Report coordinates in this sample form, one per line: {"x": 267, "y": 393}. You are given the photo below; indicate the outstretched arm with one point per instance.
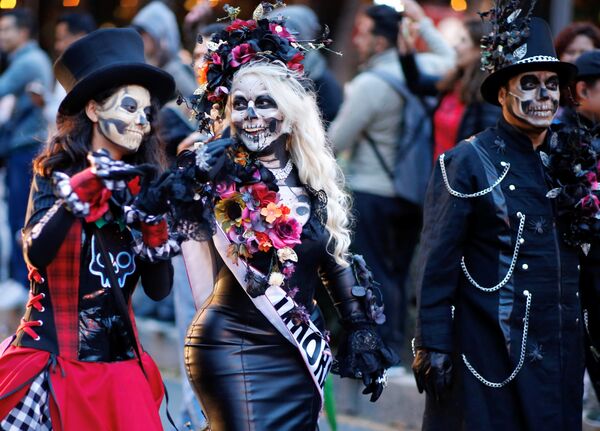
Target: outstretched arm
{"x": 362, "y": 354}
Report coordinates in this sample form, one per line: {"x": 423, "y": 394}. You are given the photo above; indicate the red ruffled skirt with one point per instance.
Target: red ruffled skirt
{"x": 103, "y": 396}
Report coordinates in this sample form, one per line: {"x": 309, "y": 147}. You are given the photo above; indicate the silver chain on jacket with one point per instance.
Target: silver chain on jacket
{"x": 521, "y": 358}
{"x": 453, "y": 192}
{"x": 513, "y": 262}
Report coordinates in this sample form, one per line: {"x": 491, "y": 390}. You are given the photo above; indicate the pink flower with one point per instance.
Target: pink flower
{"x": 285, "y": 233}
{"x": 218, "y": 94}
{"x": 216, "y": 59}
{"x": 241, "y": 54}
{"x": 591, "y": 204}
{"x": 225, "y": 190}
{"x": 592, "y": 178}
{"x": 281, "y": 31}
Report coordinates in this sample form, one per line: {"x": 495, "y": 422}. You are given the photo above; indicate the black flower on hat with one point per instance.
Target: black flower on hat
{"x": 517, "y": 43}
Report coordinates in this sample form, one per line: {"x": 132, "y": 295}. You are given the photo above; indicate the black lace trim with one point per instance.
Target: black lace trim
{"x": 315, "y": 226}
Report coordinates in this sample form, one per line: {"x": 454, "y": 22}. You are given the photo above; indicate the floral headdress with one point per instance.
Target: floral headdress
{"x": 242, "y": 42}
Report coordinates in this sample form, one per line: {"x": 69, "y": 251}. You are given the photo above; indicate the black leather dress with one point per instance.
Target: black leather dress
{"x": 247, "y": 376}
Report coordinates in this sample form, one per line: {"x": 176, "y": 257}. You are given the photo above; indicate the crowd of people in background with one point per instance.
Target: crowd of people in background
{"x": 411, "y": 70}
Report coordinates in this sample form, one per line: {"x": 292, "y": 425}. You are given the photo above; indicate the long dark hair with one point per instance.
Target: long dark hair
{"x": 68, "y": 148}
{"x": 471, "y": 76}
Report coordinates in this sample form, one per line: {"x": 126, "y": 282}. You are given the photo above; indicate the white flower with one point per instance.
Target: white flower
{"x": 276, "y": 279}
{"x": 287, "y": 253}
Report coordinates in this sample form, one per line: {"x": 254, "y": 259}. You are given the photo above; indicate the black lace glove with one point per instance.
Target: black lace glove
{"x": 362, "y": 353}
{"x": 433, "y": 372}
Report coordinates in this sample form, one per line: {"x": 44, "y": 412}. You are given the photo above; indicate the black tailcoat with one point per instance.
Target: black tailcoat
{"x": 511, "y": 310}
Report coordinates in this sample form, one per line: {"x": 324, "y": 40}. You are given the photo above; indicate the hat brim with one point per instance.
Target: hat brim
{"x": 158, "y": 82}
{"x": 491, "y": 85}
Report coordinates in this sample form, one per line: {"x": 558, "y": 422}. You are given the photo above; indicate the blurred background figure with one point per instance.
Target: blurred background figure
{"x": 304, "y": 24}
{"x": 460, "y": 111}
{"x": 28, "y": 78}
{"x": 158, "y": 27}
{"x": 367, "y": 128}
{"x": 178, "y": 130}
{"x": 69, "y": 28}
{"x": 575, "y": 39}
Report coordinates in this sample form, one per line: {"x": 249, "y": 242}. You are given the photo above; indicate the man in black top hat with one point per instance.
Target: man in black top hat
{"x": 499, "y": 328}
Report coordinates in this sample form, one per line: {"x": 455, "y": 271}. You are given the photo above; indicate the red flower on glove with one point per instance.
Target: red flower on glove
{"x": 89, "y": 188}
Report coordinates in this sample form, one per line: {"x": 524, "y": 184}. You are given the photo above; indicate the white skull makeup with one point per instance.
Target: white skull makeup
{"x": 533, "y": 98}
{"x": 124, "y": 118}
{"x": 255, "y": 114}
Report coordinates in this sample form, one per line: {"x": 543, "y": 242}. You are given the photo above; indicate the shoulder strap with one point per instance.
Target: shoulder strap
{"x": 406, "y": 95}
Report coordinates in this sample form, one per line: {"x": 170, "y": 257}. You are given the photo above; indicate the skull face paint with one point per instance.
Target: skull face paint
{"x": 533, "y": 98}
{"x": 255, "y": 114}
{"x": 124, "y": 118}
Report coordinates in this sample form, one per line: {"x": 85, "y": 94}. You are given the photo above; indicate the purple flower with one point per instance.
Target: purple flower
{"x": 299, "y": 315}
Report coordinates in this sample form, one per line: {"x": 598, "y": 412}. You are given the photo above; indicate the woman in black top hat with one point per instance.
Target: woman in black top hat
{"x": 499, "y": 340}
{"x": 75, "y": 362}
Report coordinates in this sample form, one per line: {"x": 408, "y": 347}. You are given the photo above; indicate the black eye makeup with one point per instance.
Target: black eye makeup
{"x": 552, "y": 83}
{"x": 239, "y": 103}
{"x": 129, "y": 104}
{"x": 265, "y": 102}
{"x": 529, "y": 82}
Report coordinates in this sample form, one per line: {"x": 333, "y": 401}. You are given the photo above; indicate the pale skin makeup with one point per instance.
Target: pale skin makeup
{"x": 122, "y": 121}
{"x": 262, "y": 128}
{"x": 529, "y": 102}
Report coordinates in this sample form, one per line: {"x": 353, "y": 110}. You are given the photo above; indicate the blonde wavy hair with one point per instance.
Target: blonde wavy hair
{"x": 309, "y": 149}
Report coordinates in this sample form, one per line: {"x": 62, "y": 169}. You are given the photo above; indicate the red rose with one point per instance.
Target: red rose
{"x": 241, "y": 54}
{"x": 262, "y": 194}
{"x": 296, "y": 62}
{"x": 240, "y": 24}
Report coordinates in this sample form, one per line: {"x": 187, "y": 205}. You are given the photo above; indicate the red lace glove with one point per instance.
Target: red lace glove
{"x": 90, "y": 189}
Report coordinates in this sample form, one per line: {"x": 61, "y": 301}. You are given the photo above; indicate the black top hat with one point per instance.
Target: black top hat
{"x": 535, "y": 54}
{"x": 104, "y": 59}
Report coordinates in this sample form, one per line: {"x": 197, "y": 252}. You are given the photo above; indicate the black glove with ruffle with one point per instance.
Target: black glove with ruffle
{"x": 363, "y": 354}
{"x": 433, "y": 372}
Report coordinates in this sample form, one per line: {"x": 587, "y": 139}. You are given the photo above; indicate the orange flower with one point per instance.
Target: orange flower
{"x": 202, "y": 73}
{"x": 264, "y": 243}
{"x": 285, "y": 211}
{"x": 271, "y": 213}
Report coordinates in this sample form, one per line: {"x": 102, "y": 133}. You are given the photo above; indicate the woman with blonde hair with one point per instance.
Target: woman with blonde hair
{"x": 270, "y": 201}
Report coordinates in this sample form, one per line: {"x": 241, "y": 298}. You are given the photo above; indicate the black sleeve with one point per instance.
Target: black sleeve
{"x": 445, "y": 224}
{"x": 157, "y": 278}
{"x": 47, "y": 224}
{"x": 338, "y": 281}
{"x": 418, "y": 82}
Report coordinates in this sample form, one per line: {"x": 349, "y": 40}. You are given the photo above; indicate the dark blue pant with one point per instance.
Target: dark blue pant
{"x": 386, "y": 234}
{"x": 18, "y": 181}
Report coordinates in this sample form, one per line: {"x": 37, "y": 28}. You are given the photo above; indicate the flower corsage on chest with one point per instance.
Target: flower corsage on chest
{"x": 250, "y": 212}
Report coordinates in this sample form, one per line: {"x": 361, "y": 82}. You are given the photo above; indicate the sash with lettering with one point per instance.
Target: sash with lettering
{"x": 276, "y": 305}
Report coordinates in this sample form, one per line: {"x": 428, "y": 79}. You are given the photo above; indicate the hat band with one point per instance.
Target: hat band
{"x": 537, "y": 59}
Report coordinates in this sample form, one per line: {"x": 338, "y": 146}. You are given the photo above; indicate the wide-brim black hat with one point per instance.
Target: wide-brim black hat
{"x": 535, "y": 54}
{"x": 105, "y": 59}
